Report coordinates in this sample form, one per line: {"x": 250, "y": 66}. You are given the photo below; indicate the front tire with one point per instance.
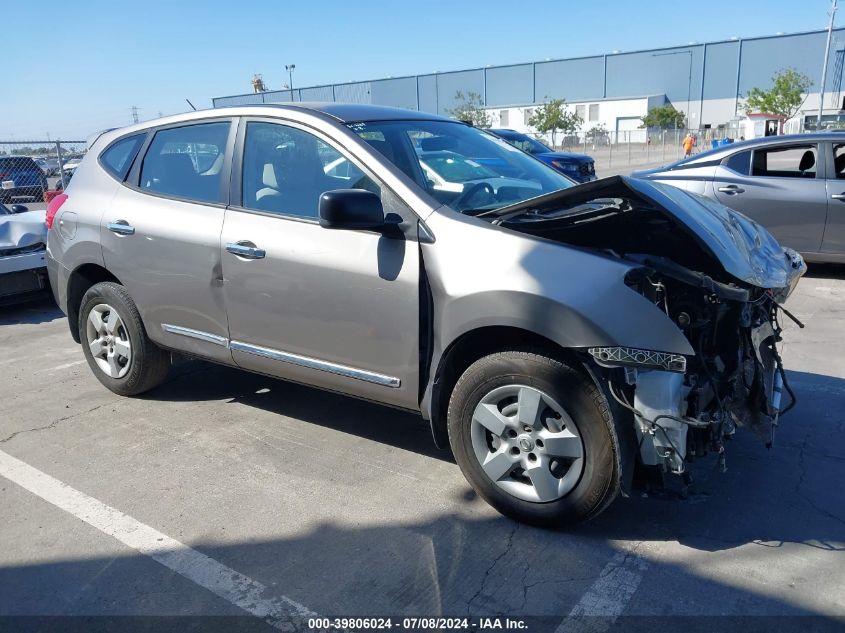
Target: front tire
{"x": 115, "y": 343}
{"x": 534, "y": 438}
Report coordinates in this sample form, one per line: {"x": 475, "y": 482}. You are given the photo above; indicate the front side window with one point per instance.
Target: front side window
{"x": 118, "y": 157}
{"x": 793, "y": 161}
{"x": 475, "y": 171}
{"x": 286, "y": 170}
{"x": 187, "y": 162}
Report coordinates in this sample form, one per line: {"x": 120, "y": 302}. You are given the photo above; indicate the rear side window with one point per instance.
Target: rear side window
{"x": 186, "y": 162}
{"x": 793, "y": 161}
{"x": 739, "y": 162}
{"x": 118, "y": 157}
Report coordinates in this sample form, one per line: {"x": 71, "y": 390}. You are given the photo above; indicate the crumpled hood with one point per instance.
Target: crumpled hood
{"x": 22, "y": 229}
{"x": 743, "y": 248}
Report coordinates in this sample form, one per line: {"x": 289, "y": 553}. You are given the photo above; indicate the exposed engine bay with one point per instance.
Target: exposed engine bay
{"x": 728, "y": 308}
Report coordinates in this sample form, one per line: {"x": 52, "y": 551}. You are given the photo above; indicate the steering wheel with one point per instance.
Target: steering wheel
{"x": 469, "y": 193}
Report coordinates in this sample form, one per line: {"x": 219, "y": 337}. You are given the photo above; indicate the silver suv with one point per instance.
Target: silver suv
{"x": 554, "y": 335}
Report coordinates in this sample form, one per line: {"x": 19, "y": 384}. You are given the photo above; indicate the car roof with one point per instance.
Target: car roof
{"x": 348, "y": 112}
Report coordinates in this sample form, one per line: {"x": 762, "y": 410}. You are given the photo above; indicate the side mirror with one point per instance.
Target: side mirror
{"x": 18, "y": 208}
{"x": 351, "y": 209}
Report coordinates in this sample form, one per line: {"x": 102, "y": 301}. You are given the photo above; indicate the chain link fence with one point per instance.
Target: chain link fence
{"x": 638, "y": 147}
{"x": 31, "y": 170}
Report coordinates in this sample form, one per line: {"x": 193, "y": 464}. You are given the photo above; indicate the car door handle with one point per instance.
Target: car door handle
{"x": 731, "y": 189}
{"x": 838, "y": 196}
{"x": 121, "y": 227}
{"x": 247, "y": 250}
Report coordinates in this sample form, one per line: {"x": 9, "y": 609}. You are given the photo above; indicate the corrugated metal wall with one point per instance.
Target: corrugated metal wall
{"x": 710, "y": 71}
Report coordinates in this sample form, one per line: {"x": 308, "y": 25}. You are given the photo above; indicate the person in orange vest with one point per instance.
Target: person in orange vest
{"x": 688, "y": 144}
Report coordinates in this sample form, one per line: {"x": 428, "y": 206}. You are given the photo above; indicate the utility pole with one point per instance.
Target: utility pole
{"x": 290, "y": 68}
{"x": 824, "y": 65}
{"x": 134, "y": 114}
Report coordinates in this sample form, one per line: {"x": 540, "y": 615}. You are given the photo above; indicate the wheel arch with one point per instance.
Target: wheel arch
{"x": 476, "y": 343}
{"x": 467, "y": 348}
{"x": 80, "y": 280}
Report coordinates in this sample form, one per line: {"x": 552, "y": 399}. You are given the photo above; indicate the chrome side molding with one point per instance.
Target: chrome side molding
{"x": 285, "y": 357}
{"x": 313, "y": 363}
{"x": 208, "y": 337}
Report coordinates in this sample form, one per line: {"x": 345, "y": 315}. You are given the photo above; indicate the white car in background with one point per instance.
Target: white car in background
{"x": 72, "y": 163}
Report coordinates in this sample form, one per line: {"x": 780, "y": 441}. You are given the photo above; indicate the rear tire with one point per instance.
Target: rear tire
{"x": 127, "y": 362}
{"x": 550, "y": 458}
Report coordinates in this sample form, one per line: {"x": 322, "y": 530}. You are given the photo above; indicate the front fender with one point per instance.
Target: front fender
{"x": 482, "y": 275}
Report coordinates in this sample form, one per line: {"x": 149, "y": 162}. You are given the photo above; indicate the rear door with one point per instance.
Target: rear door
{"x": 337, "y": 309}
{"x": 782, "y": 187}
{"x": 834, "y": 234}
{"x": 161, "y": 235}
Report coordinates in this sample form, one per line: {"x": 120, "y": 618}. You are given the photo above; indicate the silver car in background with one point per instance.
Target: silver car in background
{"x": 554, "y": 335}
{"x": 793, "y": 185}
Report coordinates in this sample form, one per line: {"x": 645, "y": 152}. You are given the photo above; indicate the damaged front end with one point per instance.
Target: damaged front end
{"x": 718, "y": 277}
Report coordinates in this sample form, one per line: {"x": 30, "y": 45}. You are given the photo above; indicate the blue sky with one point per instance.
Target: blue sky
{"x": 153, "y": 54}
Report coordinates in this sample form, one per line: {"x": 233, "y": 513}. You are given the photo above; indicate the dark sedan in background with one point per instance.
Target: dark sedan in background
{"x": 21, "y": 177}
{"x": 793, "y": 185}
{"x": 579, "y": 167}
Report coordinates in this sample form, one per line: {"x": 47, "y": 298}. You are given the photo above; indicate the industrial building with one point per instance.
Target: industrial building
{"x": 705, "y": 80}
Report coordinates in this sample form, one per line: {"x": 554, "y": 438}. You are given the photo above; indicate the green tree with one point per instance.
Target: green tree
{"x": 470, "y": 109}
{"x": 552, "y": 117}
{"x": 664, "y": 117}
{"x": 785, "y": 97}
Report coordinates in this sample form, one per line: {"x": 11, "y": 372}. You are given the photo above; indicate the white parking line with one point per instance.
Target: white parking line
{"x": 63, "y": 366}
{"x": 606, "y": 600}
{"x": 232, "y": 586}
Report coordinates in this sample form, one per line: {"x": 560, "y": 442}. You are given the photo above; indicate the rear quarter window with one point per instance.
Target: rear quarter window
{"x": 117, "y": 158}
{"x": 739, "y": 162}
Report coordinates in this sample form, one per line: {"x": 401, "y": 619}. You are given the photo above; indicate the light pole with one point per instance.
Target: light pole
{"x": 824, "y": 65}
{"x": 290, "y": 68}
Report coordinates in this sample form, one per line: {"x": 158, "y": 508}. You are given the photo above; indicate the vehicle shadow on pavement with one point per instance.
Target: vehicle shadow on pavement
{"x": 790, "y": 493}
{"x": 40, "y": 311}
{"x": 194, "y": 380}
{"x": 826, "y": 271}
{"x": 767, "y": 497}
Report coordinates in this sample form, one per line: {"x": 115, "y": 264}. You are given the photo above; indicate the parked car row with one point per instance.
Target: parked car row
{"x": 554, "y": 334}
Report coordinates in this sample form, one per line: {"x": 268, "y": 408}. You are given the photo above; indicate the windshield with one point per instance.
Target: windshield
{"x": 481, "y": 172}
{"x": 452, "y": 167}
{"x": 526, "y": 143}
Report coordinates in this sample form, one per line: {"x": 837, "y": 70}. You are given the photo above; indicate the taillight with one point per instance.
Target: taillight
{"x": 4, "y": 174}
{"x": 53, "y": 209}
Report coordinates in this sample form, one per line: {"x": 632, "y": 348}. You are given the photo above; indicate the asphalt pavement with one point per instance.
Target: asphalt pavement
{"x": 223, "y": 493}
